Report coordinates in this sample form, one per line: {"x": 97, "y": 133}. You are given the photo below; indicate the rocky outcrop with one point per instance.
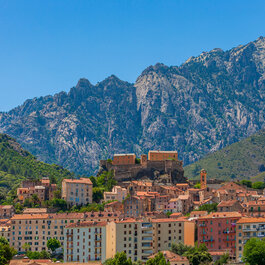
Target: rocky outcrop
{"x": 208, "y": 102}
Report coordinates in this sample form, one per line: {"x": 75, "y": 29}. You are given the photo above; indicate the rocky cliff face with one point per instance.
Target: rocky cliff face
{"x": 208, "y": 102}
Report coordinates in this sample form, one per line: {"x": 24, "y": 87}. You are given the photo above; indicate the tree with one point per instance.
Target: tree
{"x": 209, "y": 207}
{"x": 59, "y": 203}
{"x": 197, "y": 186}
{"x": 158, "y": 259}
{"x": 180, "y": 248}
{"x": 254, "y": 251}
{"x": 246, "y": 182}
{"x": 26, "y": 246}
{"x": 258, "y": 185}
{"x": 119, "y": 259}
{"x": 198, "y": 255}
{"x": 97, "y": 194}
{"x": 223, "y": 259}
{"x": 53, "y": 244}
{"x": 38, "y": 255}
{"x": 6, "y": 252}
{"x": 94, "y": 181}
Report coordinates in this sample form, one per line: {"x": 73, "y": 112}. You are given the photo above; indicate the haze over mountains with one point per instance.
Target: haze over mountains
{"x": 207, "y": 103}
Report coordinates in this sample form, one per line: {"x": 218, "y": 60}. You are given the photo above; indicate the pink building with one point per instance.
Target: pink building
{"x": 217, "y": 231}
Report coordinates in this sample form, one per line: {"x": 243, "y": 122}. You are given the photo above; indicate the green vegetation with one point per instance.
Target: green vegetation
{"x": 159, "y": 259}
{"x": 17, "y": 164}
{"x": 197, "y": 186}
{"x": 254, "y": 185}
{"x": 197, "y": 255}
{"x": 208, "y": 207}
{"x": 53, "y": 244}
{"x": 223, "y": 260}
{"x": 104, "y": 182}
{"x": 180, "y": 248}
{"x": 119, "y": 259}
{"x": 242, "y": 160}
{"x": 38, "y": 255}
{"x": 254, "y": 251}
{"x": 6, "y": 252}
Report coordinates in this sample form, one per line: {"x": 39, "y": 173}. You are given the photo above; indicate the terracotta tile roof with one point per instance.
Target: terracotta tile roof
{"x": 142, "y": 183}
{"x": 221, "y": 215}
{"x": 167, "y": 220}
{"x": 193, "y": 213}
{"x": 183, "y": 197}
{"x": 128, "y": 220}
{"x": 5, "y": 207}
{"x": 34, "y": 210}
{"x": 170, "y": 256}
{"x": 87, "y": 224}
{"x": 182, "y": 184}
{"x": 245, "y": 220}
{"x": 227, "y": 203}
{"x": 79, "y": 181}
{"x": 65, "y": 215}
{"x": 173, "y": 215}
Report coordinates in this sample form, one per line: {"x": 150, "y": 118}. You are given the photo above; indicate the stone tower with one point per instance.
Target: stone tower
{"x": 203, "y": 179}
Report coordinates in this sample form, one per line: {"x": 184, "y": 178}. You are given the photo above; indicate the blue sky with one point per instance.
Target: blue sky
{"x": 46, "y": 46}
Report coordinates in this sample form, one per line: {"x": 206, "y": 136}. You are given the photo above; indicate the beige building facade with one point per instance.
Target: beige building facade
{"x": 77, "y": 191}
{"x": 139, "y": 239}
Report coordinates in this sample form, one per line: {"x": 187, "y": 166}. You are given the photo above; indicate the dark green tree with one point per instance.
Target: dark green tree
{"x": 199, "y": 255}
{"x": 6, "y": 252}
{"x": 158, "y": 259}
{"x": 254, "y": 251}
{"x": 223, "y": 259}
{"x": 119, "y": 259}
{"x": 97, "y": 194}
{"x": 53, "y": 244}
{"x": 180, "y": 248}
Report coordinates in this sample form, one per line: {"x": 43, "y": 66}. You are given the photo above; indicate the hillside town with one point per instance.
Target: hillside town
{"x": 146, "y": 212}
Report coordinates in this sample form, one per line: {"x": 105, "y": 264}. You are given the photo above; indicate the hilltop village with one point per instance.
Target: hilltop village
{"x": 148, "y": 207}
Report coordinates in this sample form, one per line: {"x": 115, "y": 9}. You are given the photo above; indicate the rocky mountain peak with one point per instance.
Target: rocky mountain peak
{"x": 206, "y": 103}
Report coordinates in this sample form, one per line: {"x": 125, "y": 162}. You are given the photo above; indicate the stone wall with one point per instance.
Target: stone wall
{"x": 171, "y": 170}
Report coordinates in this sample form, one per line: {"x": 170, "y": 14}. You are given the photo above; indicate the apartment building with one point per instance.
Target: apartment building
{"x": 135, "y": 206}
{"x": 162, "y": 155}
{"x": 217, "y": 231}
{"x": 118, "y": 193}
{"x": 6, "y": 211}
{"x": 246, "y": 228}
{"x": 5, "y": 228}
{"x": 43, "y": 189}
{"x": 255, "y": 208}
{"x": 36, "y": 229}
{"x": 141, "y": 238}
{"x": 85, "y": 241}
{"x": 26, "y": 193}
{"x": 180, "y": 204}
{"x": 77, "y": 191}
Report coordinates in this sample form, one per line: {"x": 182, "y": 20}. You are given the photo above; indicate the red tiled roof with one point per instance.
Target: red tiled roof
{"x": 80, "y": 181}
{"x": 221, "y": 215}
{"x": 227, "y": 203}
{"x": 87, "y": 224}
{"x": 244, "y": 220}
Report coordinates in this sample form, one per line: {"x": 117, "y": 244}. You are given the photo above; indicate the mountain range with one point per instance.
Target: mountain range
{"x": 242, "y": 160}
{"x": 203, "y": 105}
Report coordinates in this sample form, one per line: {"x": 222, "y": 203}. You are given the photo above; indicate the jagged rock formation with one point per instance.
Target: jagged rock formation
{"x": 208, "y": 102}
